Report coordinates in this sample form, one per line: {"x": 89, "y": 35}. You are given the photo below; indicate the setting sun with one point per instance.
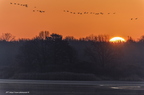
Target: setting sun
{"x": 117, "y": 39}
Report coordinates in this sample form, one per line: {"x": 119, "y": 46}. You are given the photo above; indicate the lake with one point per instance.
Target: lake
{"x": 47, "y": 87}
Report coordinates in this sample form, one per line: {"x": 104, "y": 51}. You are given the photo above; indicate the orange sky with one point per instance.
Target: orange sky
{"x": 22, "y": 22}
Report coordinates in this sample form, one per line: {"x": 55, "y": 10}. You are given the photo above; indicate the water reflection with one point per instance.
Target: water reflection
{"x": 67, "y": 89}
{"x": 129, "y": 87}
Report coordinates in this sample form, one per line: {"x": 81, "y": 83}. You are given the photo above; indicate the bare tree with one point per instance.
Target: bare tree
{"x": 130, "y": 39}
{"x": 55, "y": 36}
{"x": 43, "y": 35}
{"x": 99, "y": 38}
{"x": 7, "y": 37}
{"x": 69, "y": 38}
{"x": 101, "y": 51}
{"x": 141, "y": 39}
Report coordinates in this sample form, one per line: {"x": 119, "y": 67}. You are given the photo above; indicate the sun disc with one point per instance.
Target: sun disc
{"x": 117, "y": 39}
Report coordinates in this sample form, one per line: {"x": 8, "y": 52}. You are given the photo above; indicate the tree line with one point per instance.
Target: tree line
{"x": 50, "y": 56}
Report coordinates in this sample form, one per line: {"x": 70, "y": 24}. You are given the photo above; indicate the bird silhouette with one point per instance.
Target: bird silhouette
{"x": 101, "y": 13}
{"x": 96, "y": 13}
{"x": 84, "y": 12}
{"x": 26, "y": 5}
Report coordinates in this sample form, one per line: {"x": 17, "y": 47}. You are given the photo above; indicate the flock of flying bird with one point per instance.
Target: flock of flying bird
{"x": 80, "y": 13}
{"x": 94, "y": 13}
{"x": 134, "y": 18}
{"x": 26, "y": 5}
{"x": 67, "y": 11}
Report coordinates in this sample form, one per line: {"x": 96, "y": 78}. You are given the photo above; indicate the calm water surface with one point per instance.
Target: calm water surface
{"x": 42, "y": 87}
